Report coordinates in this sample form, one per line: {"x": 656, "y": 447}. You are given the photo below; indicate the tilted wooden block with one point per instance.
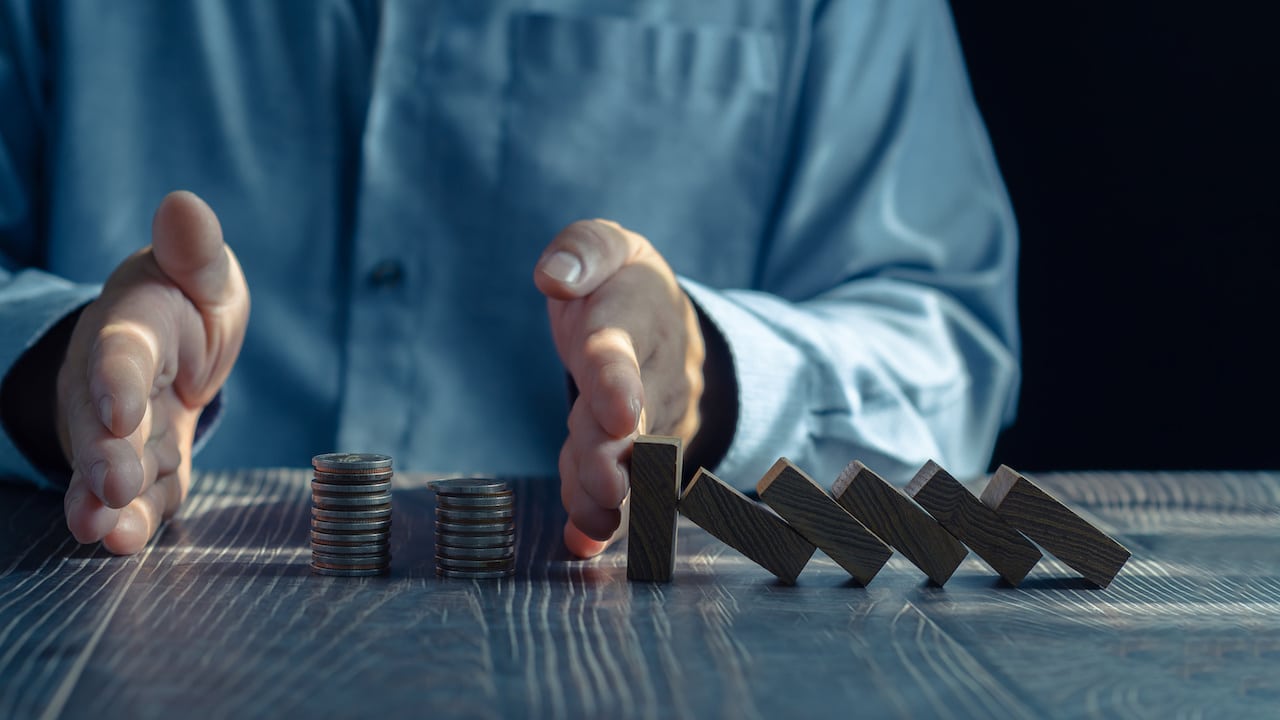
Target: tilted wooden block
{"x": 656, "y": 466}
{"x": 819, "y": 518}
{"x": 1057, "y": 528}
{"x": 894, "y": 518}
{"x": 744, "y": 525}
{"x": 974, "y": 524}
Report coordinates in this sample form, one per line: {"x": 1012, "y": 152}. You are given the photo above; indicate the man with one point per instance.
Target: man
{"x": 806, "y": 248}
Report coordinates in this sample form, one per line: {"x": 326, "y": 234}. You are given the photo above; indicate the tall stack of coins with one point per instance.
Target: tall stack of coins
{"x": 475, "y": 528}
{"x": 351, "y": 514}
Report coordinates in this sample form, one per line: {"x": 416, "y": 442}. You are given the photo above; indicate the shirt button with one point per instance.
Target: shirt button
{"x": 387, "y": 274}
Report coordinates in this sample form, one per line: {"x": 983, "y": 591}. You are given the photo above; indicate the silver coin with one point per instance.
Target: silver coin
{"x": 351, "y": 462}
{"x": 332, "y": 515}
{"x": 491, "y": 514}
{"x": 474, "y": 553}
{"x": 464, "y": 502}
{"x": 475, "y": 541}
{"x": 348, "y": 572}
{"x": 350, "y": 488}
{"x": 469, "y": 486}
{"x": 338, "y": 502}
{"x": 341, "y": 538}
{"x": 352, "y": 478}
{"x": 351, "y": 525}
{"x": 361, "y": 549}
{"x": 474, "y": 528}
{"x": 332, "y": 560}
{"x": 464, "y": 564}
{"x": 474, "y": 574}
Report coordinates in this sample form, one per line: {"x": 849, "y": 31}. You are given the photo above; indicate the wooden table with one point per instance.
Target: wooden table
{"x": 221, "y": 617}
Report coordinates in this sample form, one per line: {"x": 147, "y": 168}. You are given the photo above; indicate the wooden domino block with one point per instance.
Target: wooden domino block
{"x": 656, "y": 466}
{"x": 1044, "y": 518}
{"x": 745, "y": 525}
{"x": 974, "y": 524}
{"x": 819, "y": 518}
{"x": 894, "y": 518}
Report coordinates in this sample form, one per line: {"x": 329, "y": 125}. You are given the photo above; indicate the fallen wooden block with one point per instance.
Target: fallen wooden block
{"x": 744, "y": 525}
{"x": 656, "y": 465}
{"x": 819, "y": 518}
{"x": 974, "y": 524}
{"x": 894, "y": 518}
{"x": 1053, "y": 525}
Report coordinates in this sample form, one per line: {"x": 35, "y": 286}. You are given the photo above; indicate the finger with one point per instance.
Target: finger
{"x": 597, "y": 459}
{"x": 580, "y": 544}
{"x": 140, "y": 519}
{"x": 609, "y": 373}
{"x": 583, "y": 256}
{"x": 122, "y": 367}
{"x": 110, "y": 466}
{"x": 596, "y": 521}
{"x": 88, "y": 519}
{"x": 187, "y": 242}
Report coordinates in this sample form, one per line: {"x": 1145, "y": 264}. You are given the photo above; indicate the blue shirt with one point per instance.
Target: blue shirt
{"x": 388, "y": 173}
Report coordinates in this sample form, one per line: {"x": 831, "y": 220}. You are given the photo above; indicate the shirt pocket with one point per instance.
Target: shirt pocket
{"x": 664, "y": 128}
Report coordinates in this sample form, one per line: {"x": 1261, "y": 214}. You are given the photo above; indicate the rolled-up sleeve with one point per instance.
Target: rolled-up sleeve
{"x": 884, "y": 326}
{"x": 31, "y": 301}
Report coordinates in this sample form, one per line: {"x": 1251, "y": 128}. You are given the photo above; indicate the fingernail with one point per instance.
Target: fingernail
{"x": 634, "y": 405}
{"x": 98, "y": 477}
{"x": 563, "y": 266}
{"x": 104, "y": 411}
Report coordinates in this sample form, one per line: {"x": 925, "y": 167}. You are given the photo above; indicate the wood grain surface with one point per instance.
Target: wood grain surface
{"x": 1057, "y": 528}
{"x": 809, "y": 509}
{"x": 894, "y": 518}
{"x": 745, "y": 525}
{"x": 1006, "y": 550}
{"x": 220, "y": 617}
{"x": 656, "y": 467}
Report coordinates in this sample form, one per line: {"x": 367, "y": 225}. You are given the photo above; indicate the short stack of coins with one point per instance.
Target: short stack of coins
{"x": 475, "y": 528}
{"x": 351, "y": 514}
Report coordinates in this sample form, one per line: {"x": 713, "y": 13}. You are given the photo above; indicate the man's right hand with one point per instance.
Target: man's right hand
{"x": 143, "y": 361}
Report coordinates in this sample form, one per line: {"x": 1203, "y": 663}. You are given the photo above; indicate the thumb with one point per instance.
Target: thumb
{"x": 186, "y": 241}
{"x": 583, "y": 256}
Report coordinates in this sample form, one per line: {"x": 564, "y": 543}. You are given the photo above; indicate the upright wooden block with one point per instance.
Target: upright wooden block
{"x": 819, "y": 518}
{"x": 1044, "y": 518}
{"x": 744, "y": 525}
{"x": 656, "y": 466}
{"x": 894, "y": 518}
{"x": 974, "y": 524}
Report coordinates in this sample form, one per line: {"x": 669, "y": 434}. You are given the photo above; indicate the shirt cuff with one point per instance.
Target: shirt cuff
{"x": 31, "y": 303}
{"x": 770, "y": 382}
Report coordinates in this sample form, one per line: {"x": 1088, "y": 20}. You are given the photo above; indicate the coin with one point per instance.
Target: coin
{"x": 474, "y": 528}
{"x": 464, "y": 564}
{"x": 350, "y": 488}
{"x": 340, "y": 538}
{"x": 383, "y": 513}
{"x": 352, "y": 478}
{"x": 382, "y": 549}
{"x": 348, "y": 572}
{"x": 469, "y": 486}
{"x": 474, "y": 574}
{"x": 463, "y": 502}
{"x": 352, "y": 525}
{"x": 339, "y": 502}
{"x": 476, "y": 541}
{"x": 475, "y": 553}
{"x": 339, "y": 560}
{"x": 490, "y": 514}
{"x": 351, "y": 462}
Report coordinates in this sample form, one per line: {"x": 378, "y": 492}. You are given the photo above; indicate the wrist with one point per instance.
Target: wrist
{"x": 718, "y": 407}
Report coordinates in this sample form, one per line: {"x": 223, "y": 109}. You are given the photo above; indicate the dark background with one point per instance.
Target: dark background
{"x": 1138, "y": 144}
